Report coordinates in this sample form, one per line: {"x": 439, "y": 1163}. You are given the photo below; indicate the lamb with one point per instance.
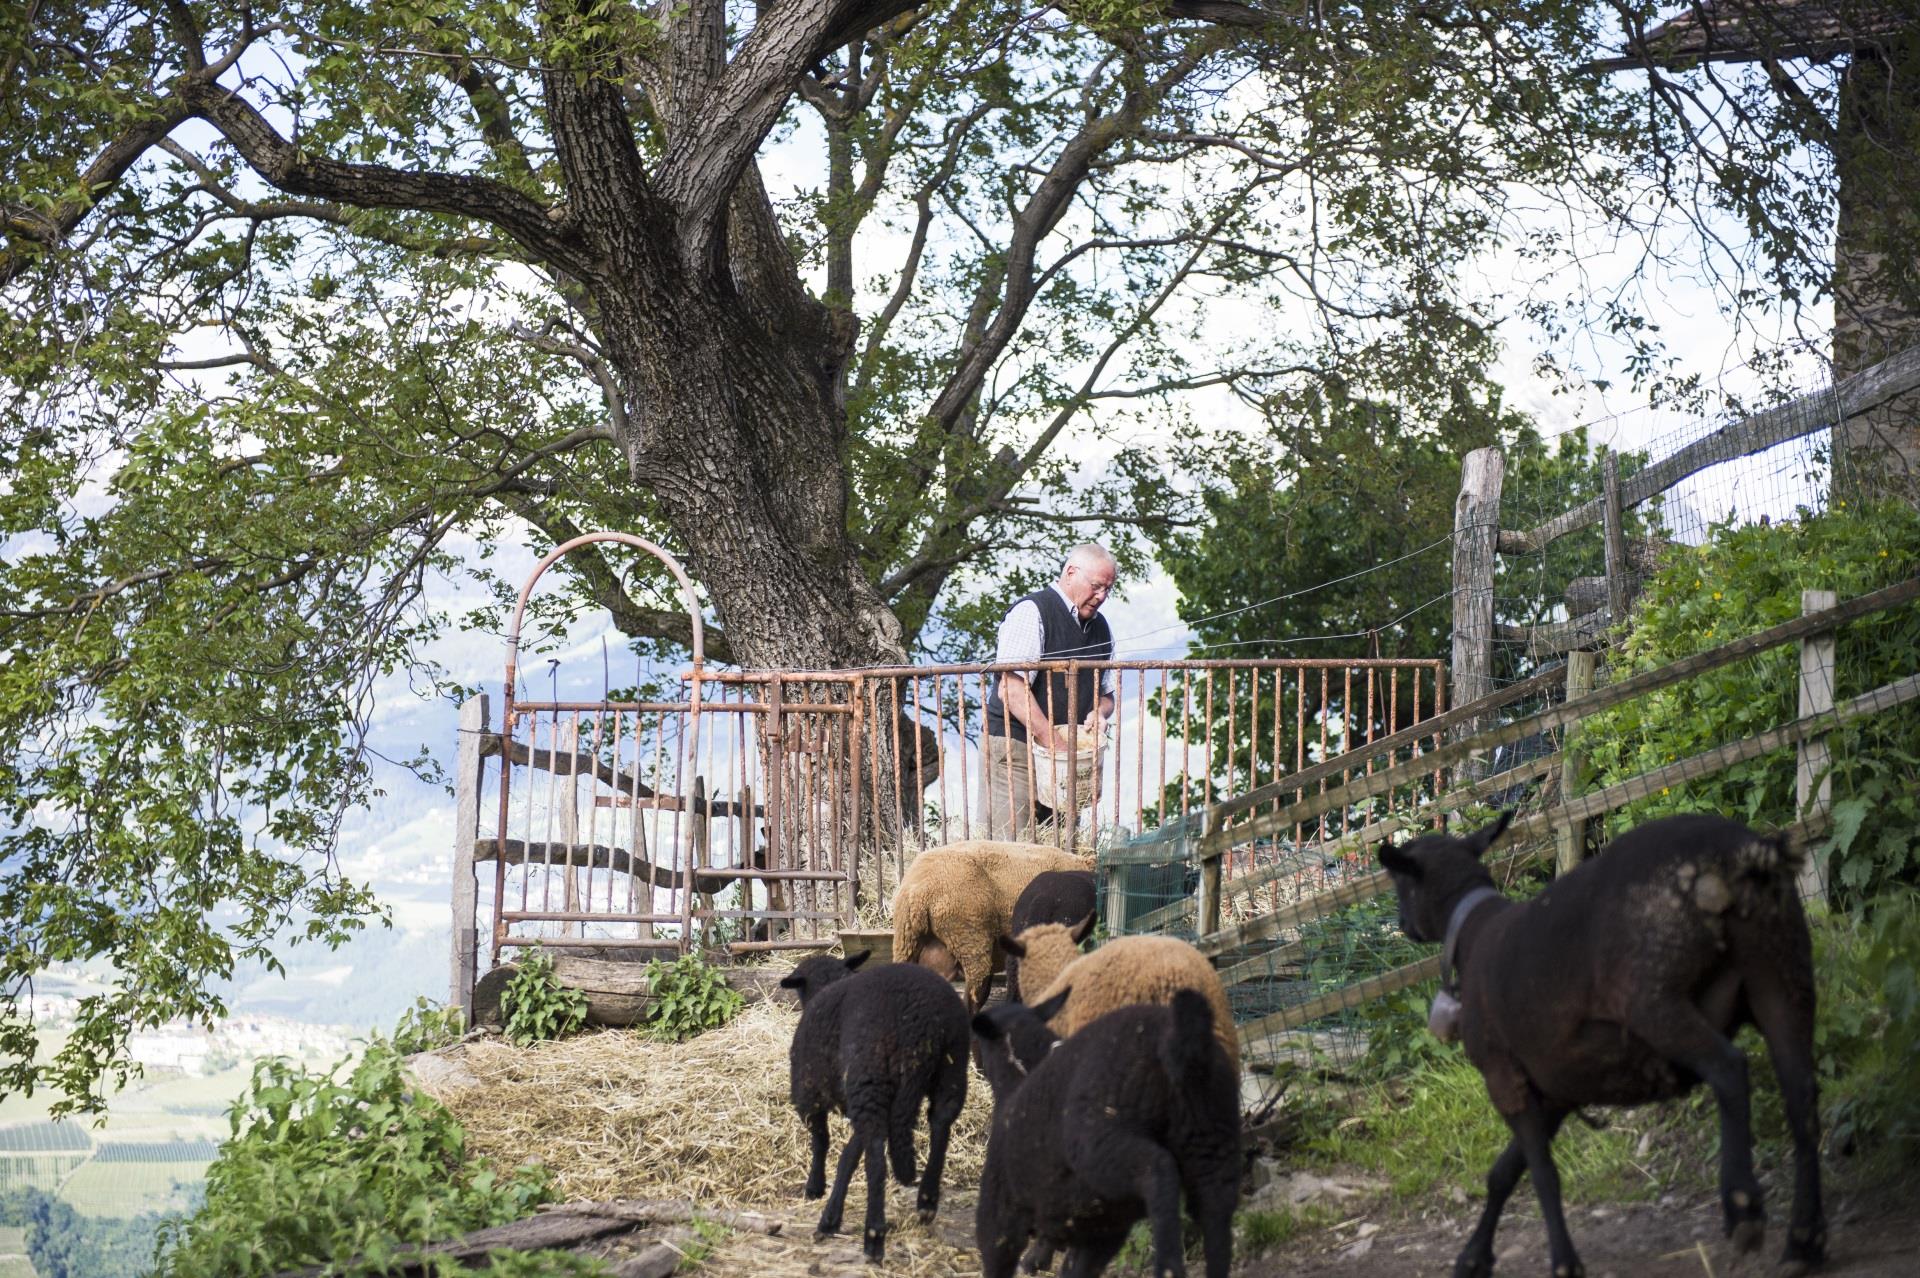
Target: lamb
{"x": 1055, "y": 896}
{"x": 873, "y": 1046}
{"x": 1093, "y": 1132}
{"x": 1127, "y": 969}
{"x": 1623, "y": 983}
{"x": 961, "y": 897}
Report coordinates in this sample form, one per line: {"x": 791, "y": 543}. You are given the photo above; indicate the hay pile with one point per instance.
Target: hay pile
{"x": 618, "y": 1115}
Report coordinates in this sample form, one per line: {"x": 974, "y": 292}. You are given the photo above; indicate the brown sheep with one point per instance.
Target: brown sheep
{"x": 960, "y": 898}
{"x": 1126, "y": 970}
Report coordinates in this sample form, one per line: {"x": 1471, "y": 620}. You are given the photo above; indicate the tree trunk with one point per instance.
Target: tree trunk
{"x": 1876, "y": 281}
{"x": 738, "y": 433}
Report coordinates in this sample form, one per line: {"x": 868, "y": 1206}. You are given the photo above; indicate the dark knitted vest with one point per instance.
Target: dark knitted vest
{"x": 1062, "y": 638}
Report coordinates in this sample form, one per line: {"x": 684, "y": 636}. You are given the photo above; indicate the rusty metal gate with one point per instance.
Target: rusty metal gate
{"x": 757, "y": 810}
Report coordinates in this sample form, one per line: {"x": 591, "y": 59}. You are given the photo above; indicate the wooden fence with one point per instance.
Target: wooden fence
{"x": 1350, "y": 782}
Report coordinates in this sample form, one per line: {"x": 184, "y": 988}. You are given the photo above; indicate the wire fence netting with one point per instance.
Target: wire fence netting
{"x": 1302, "y": 926}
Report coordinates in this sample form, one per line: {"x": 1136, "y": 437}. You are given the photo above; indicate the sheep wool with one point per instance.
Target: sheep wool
{"x": 961, "y": 896}
{"x": 1126, "y": 970}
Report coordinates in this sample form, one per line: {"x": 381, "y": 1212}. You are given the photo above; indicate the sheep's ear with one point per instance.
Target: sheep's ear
{"x": 986, "y": 1027}
{"x": 1485, "y": 837}
{"x": 1051, "y": 1008}
{"x": 855, "y": 960}
{"x": 1392, "y": 858}
{"x": 1080, "y": 929}
{"x": 1013, "y": 947}
{"x": 793, "y": 981}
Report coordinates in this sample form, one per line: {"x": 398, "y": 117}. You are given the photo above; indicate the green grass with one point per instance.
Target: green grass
{"x": 128, "y": 1189}
{"x": 13, "y": 1253}
{"x": 1258, "y": 1231}
{"x": 1437, "y": 1129}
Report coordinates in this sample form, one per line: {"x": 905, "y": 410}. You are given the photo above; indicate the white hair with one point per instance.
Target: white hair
{"x": 1090, "y": 554}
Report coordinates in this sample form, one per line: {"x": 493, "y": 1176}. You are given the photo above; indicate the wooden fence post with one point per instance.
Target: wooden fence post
{"x": 1209, "y": 911}
{"x": 1476, "y": 533}
{"x": 1570, "y": 841}
{"x": 1619, "y": 586}
{"x": 1813, "y": 784}
{"x": 466, "y": 829}
{"x": 1118, "y": 870}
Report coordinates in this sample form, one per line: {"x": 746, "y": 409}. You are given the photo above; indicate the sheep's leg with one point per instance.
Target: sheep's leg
{"x": 949, "y": 1095}
{"x": 1784, "y": 1012}
{"x": 1039, "y": 1257}
{"x": 906, "y": 1107}
{"x": 837, "y": 1200}
{"x": 1213, "y": 1208}
{"x": 999, "y": 1249}
{"x": 1678, "y": 1032}
{"x": 1476, "y": 1258}
{"x": 1118, "y": 1165}
{"x": 1090, "y": 1259}
{"x": 817, "y": 1163}
{"x": 876, "y": 1232}
{"x": 1534, "y": 1128}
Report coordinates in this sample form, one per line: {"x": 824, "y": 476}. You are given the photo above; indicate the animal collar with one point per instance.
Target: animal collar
{"x": 1465, "y": 906}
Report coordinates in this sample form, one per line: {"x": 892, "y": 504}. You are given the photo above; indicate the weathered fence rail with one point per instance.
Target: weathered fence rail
{"x": 1547, "y": 832}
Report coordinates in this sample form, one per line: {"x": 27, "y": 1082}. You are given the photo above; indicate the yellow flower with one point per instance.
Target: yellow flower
{"x": 1716, "y": 595}
{"x": 1696, "y": 583}
{"x": 1883, "y": 554}
{"x": 1841, "y": 505}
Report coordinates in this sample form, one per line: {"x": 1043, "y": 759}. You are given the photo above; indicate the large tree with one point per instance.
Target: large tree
{"x": 298, "y": 293}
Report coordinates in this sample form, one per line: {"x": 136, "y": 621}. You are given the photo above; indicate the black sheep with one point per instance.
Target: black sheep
{"x": 1622, "y": 983}
{"x": 872, "y": 1046}
{"x": 1055, "y": 896}
{"x": 1117, "y": 1122}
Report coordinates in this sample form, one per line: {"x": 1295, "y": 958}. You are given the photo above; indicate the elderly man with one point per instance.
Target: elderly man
{"x": 1059, "y": 623}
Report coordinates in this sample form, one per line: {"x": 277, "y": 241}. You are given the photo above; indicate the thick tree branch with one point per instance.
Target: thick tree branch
{"x": 1041, "y": 214}
{"x": 707, "y": 158}
{"x": 294, "y": 170}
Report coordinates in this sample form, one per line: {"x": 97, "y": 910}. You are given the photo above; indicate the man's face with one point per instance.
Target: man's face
{"x": 1088, "y": 588}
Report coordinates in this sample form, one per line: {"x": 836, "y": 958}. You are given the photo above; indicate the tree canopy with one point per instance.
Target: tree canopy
{"x": 844, "y": 301}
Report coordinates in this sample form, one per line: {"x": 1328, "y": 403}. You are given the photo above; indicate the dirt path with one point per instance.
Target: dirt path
{"x": 1872, "y": 1236}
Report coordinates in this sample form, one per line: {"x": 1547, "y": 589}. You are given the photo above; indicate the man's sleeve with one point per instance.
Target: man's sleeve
{"x": 1020, "y": 641}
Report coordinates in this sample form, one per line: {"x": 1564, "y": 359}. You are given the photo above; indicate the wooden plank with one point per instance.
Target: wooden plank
{"x": 466, "y": 825}
{"x": 1570, "y": 841}
{"x": 1386, "y": 779}
{"x": 1355, "y": 760}
{"x": 1253, "y": 1032}
{"x": 601, "y": 857}
{"x": 1619, "y": 584}
{"x": 1476, "y": 527}
{"x": 1588, "y": 630}
{"x": 1851, "y": 397}
{"x": 1813, "y": 779}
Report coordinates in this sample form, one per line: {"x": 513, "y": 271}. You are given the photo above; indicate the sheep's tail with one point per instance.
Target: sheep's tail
{"x": 912, "y": 922}
{"x": 1188, "y": 1049}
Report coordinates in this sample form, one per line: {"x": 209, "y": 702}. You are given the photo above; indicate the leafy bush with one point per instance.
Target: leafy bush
{"x": 427, "y": 1025}
{"x": 1744, "y": 580}
{"x": 536, "y": 1006}
{"x": 689, "y": 997}
{"x": 321, "y": 1169}
{"x": 1867, "y": 1035}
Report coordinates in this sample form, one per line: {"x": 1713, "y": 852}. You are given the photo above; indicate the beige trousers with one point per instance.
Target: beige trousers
{"x": 1005, "y": 807}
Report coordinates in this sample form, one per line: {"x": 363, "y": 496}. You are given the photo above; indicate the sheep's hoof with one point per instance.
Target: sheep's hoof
{"x": 1806, "y": 1250}
{"x": 1574, "y": 1270}
{"x": 926, "y": 1213}
{"x": 826, "y": 1228}
{"x": 814, "y": 1191}
{"x": 876, "y": 1246}
{"x": 1748, "y": 1234}
{"x": 907, "y": 1177}
{"x": 1473, "y": 1265}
